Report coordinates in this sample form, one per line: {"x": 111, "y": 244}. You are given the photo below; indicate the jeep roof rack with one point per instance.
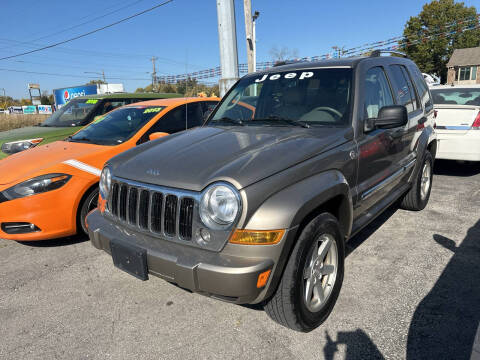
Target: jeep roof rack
{"x": 376, "y": 53}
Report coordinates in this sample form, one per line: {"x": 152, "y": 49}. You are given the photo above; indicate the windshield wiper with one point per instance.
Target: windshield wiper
{"x": 275, "y": 118}
{"x": 229, "y": 120}
{"x": 84, "y": 139}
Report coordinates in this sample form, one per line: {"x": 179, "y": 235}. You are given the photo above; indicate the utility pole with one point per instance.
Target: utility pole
{"x": 227, "y": 38}
{"x": 254, "y": 35}
{"x": 154, "y": 74}
{"x": 247, "y": 9}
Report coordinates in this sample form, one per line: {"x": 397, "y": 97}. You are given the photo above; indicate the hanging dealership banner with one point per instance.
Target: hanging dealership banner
{"x": 44, "y": 109}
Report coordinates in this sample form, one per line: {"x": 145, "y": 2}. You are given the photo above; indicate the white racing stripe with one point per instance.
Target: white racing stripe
{"x": 84, "y": 167}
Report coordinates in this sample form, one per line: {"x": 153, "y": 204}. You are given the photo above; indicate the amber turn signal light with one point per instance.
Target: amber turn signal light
{"x": 263, "y": 278}
{"x": 258, "y": 237}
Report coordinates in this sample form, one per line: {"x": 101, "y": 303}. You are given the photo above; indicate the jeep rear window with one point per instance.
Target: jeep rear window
{"x": 117, "y": 126}
{"x": 317, "y": 97}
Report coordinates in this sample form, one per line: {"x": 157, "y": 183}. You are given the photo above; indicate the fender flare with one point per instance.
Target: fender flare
{"x": 427, "y": 136}
{"x": 288, "y": 207}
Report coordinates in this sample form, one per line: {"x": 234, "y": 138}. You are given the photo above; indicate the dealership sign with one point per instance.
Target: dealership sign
{"x": 30, "y": 109}
{"x": 62, "y": 96}
{"x": 44, "y": 109}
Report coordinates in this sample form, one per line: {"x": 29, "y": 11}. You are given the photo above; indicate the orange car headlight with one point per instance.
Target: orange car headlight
{"x": 37, "y": 185}
{"x": 257, "y": 237}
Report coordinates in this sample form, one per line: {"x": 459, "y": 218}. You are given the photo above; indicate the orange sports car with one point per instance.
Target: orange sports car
{"x": 47, "y": 191}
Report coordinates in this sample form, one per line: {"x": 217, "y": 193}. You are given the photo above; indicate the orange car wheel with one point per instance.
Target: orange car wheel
{"x": 89, "y": 202}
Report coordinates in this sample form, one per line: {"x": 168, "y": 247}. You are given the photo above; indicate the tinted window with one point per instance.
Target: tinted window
{"x": 194, "y": 114}
{"x": 171, "y": 122}
{"x": 456, "y": 96}
{"x": 377, "y": 92}
{"x": 118, "y": 126}
{"x": 313, "y": 96}
{"x": 111, "y": 104}
{"x": 422, "y": 88}
{"x": 404, "y": 92}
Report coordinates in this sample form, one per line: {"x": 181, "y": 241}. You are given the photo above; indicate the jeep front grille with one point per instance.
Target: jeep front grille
{"x": 158, "y": 212}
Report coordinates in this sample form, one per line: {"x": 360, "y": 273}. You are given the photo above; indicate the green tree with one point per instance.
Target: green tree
{"x": 437, "y": 18}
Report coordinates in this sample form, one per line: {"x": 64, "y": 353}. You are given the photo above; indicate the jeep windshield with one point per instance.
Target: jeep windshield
{"x": 117, "y": 126}
{"x": 306, "y": 97}
{"x": 73, "y": 113}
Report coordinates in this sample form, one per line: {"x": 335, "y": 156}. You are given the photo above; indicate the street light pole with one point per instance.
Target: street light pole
{"x": 227, "y": 38}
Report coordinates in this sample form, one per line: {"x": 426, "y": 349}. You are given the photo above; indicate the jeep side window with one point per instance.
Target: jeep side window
{"x": 422, "y": 88}
{"x": 194, "y": 114}
{"x": 377, "y": 92}
{"x": 403, "y": 88}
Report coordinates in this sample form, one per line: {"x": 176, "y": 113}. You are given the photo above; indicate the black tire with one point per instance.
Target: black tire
{"x": 89, "y": 202}
{"x": 288, "y": 306}
{"x": 413, "y": 199}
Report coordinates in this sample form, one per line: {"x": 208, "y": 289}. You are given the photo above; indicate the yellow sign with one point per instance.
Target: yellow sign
{"x": 91, "y": 101}
{"x": 153, "y": 110}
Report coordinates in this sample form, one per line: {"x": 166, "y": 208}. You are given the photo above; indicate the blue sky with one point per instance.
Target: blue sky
{"x": 182, "y": 34}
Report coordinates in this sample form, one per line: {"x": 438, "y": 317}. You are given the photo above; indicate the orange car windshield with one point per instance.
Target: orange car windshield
{"x": 118, "y": 126}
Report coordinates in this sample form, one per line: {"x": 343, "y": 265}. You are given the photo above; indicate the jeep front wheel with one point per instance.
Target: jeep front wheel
{"x": 313, "y": 277}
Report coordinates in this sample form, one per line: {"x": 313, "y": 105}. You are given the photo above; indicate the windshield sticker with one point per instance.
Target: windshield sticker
{"x": 153, "y": 110}
{"x": 292, "y": 75}
{"x": 91, "y": 101}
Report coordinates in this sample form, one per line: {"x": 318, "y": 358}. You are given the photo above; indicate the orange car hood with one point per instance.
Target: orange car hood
{"x": 25, "y": 164}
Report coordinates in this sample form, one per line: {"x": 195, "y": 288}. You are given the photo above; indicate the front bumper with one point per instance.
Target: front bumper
{"x": 53, "y": 212}
{"x": 220, "y": 275}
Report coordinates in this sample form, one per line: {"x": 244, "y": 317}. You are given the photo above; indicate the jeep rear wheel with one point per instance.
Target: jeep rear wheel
{"x": 417, "y": 197}
{"x": 313, "y": 277}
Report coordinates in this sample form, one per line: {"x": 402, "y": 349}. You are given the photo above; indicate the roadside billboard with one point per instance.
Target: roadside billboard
{"x": 44, "y": 109}
{"x": 15, "y": 110}
{"x": 30, "y": 109}
{"x": 62, "y": 96}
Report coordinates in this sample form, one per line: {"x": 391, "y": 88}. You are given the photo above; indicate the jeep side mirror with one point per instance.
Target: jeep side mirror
{"x": 157, "y": 135}
{"x": 389, "y": 117}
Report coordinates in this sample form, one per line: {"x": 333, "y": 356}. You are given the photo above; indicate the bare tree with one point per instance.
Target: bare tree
{"x": 283, "y": 53}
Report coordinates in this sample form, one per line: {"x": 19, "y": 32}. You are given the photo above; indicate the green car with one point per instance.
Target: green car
{"x": 77, "y": 113}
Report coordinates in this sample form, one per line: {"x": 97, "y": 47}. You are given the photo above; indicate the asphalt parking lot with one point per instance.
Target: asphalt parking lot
{"x": 411, "y": 290}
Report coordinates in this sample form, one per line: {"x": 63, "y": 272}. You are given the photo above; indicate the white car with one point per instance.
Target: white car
{"x": 458, "y": 121}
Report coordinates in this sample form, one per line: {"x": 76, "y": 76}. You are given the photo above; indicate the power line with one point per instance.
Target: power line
{"x": 75, "y": 26}
{"x": 69, "y": 75}
{"x": 88, "y": 33}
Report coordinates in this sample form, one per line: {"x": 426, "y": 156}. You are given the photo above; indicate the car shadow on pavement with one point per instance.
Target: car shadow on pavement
{"x": 65, "y": 241}
{"x": 358, "y": 346}
{"x": 455, "y": 168}
{"x": 445, "y": 322}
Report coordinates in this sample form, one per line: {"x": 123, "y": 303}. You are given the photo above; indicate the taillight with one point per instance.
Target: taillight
{"x": 476, "y": 123}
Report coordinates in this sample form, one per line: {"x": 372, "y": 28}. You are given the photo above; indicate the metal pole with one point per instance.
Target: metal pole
{"x": 247, "y": 9}
{"x": 227, "y": 38}
{"x": 254, "y": 40}
{"x": 154, "y": 74}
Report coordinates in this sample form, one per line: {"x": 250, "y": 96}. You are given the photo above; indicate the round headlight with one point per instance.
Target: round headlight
{"x": 105, "y": 182}
{"x": 219, "y": 206}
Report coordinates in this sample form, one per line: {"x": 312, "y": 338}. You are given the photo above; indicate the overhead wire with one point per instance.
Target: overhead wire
{"x": 88, "y": 33}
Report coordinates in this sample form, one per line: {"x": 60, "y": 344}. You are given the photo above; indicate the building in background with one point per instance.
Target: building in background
{"x": 464, "y": 66}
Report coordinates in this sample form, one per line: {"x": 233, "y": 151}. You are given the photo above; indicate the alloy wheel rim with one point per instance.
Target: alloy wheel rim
{"x": 320, "y": 272}
{"x": 426, "y": 180}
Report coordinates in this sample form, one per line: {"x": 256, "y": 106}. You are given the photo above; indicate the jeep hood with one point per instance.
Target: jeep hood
{"x": 241, "y": 155}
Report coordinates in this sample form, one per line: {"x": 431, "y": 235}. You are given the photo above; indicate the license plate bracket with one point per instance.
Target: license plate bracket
{"x": 130, "y": 258}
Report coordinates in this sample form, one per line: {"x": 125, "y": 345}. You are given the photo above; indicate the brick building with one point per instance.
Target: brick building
{"x": 464, "y": 66}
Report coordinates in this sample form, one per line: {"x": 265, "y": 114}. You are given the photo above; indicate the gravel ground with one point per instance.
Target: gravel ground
{"x": 411, "y": 290}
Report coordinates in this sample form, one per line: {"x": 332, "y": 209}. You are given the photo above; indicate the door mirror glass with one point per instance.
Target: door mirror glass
{"x": 157, "y": 135}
